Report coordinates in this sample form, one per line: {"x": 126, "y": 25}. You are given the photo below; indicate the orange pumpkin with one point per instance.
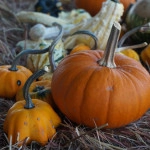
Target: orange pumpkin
{"x": 12, "y": 80}
{"x": 80, "y": 47}
{"x": 100, "y": 87}
{"x": 38, "y": 90}
{"x": 93, "y": 7}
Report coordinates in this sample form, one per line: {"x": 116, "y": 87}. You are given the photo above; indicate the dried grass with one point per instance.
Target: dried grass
{"x": 70, "y": 136}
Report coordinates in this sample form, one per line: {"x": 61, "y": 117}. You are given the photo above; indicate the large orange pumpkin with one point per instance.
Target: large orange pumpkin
{"x": 98, "y": 87}
{"x": 93, "y": 7}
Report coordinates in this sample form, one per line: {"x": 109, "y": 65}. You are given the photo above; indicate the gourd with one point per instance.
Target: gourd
{"x": 38, "y": 41}
{"x": 139, "y": 15}
{"x": 100, "y": 25}
{"x": 38, "y": 90}
{"x": 131, "y": 53}
{"x": 81, "y": 46}
{"x": 106, "y": 88}
{"x": 94, "y": 7}
{"x": 12, "y": 78}
{"x": 31, "y": 119}
{"x": 145, "y": 55}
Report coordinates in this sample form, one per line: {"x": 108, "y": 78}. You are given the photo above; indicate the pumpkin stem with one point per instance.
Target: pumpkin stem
{"x": 29, "y": 104}
{"x": 90, "y": 34}
{"x": 31, "y": 51}
{"x": 108, "y": 57}
{"x": 143, "y": 29}
{"x": 52, "y": 48}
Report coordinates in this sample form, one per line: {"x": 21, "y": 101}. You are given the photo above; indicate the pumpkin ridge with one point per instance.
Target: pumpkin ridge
{"x": 72, "y": 81}
{"x": 109, "y": 105}
{"x": 84, "y": 93}
{"x": 136, "y": 89}
{"x": 128, "y": 76}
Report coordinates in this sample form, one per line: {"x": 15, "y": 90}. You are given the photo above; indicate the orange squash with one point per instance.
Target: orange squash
{"x": 80, "y": 47}
{"x": 100, "y": 87}
{"x": 38, "y": 90}
{"x": 93, "y": 7}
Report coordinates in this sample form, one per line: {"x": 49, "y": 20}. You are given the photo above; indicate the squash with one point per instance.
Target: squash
{"x": 12, "y": 78}
{"x": 97, "y": 87}
{"x": 99, "y": 25}
{"x": 93, "y": 7}
{"x": 131, "y": 53}
{"x": 36, "y": 62}
{"x": 79, "y": 48}
{"x": 145, "y": 55}
{"x": 31, "y": 119}
{"x": 139, "y": 15}
{"x": 38, "y": 90}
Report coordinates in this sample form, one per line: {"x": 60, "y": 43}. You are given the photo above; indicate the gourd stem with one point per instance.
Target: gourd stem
{"x": 25, "y": 52}
{"x": 90, "y": 34}
{"x": 108, "y": 57}
{"x": 31, "y": 51}
{"x": 29, "y": 104}
{"x": 52, "y": 48}
{"x": 143, "y": 29}
{"x": 132, "y": 47}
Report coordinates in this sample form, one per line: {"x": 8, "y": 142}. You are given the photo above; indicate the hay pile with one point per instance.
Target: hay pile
{"x": 69, "y": 135}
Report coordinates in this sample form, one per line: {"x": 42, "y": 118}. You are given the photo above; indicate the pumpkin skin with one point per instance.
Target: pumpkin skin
{"x": 12, "y": 81}
{"x": 30, "y": 122}
{"x": 79, "y": 48}
{"x": 38, "y": 90}
{"x": 94, "y": 7}
{"x": 90, "y": 93}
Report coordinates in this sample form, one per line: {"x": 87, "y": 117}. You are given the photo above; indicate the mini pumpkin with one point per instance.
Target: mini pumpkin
{"x": 12, "y": 78}
{"x": 145, "y": 55}
{"x": 31, "y": 119}
{"x": 79, "y": 48}
{"x": 83, "y": 46}
{"x": 131, "y": 53}
{"x": 99, "y": 87}
{"x": 38, "y": 90}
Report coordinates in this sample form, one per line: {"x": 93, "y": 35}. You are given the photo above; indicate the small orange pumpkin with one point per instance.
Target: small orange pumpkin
{"x": 12, "y": 79}
{"x": 31, "y": 119}
{"x": 79, "y": 48}
{"x": 99, "y": 87}
{"x": 38, "y": 90}
{"x": 93, "y": 7}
